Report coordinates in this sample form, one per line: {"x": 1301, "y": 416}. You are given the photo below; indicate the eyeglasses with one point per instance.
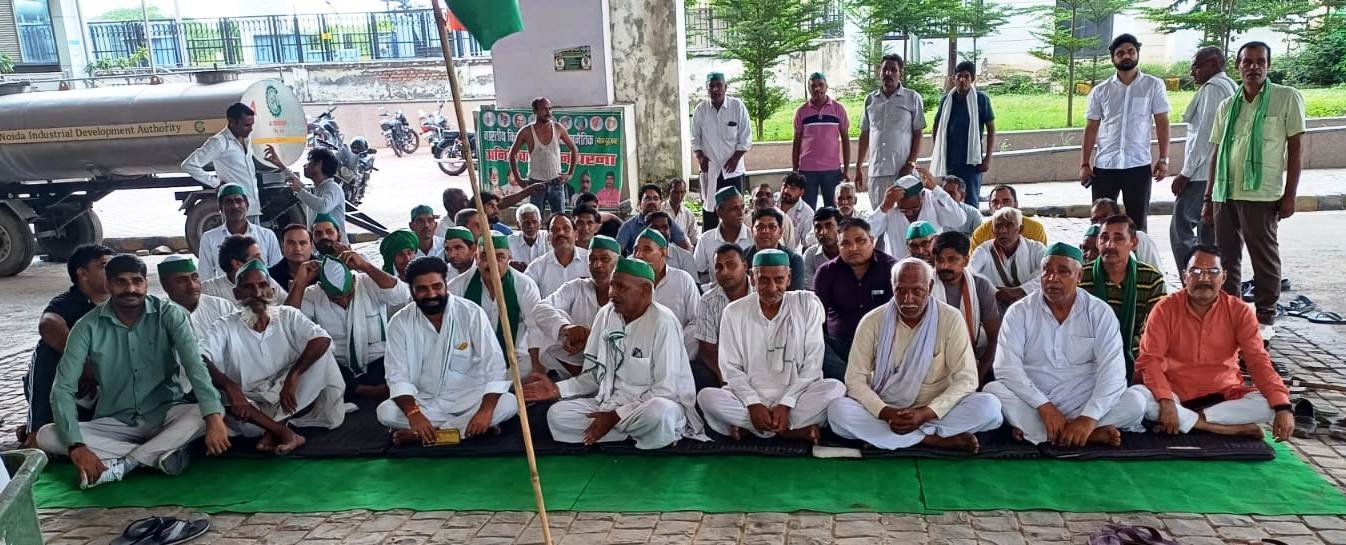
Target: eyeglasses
{"x": 1198, "y": 271}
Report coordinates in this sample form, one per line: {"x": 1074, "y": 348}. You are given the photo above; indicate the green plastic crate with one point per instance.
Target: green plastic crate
{"x": 18, "y": 513}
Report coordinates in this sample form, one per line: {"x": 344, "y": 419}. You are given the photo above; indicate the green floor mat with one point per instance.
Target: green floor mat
{"x": 717, "y": 484}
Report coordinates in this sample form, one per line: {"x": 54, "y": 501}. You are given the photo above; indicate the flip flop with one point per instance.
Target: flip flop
{"x": 179, "y": 531}
{"x": 1337, "y": 430}
{"x": 1324, "y": 317}
{"x": 1299, "y": 306}
{"x": 141, "y": 531}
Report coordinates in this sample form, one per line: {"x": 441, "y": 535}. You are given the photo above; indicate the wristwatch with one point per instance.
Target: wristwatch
{"x": 1282, "y": 407}
{"x": 1163, "y": 160}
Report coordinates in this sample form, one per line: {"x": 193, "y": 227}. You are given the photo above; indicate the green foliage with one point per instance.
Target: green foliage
{"x": 976, "y": 19}
{"x": 1017, "y": 84}
{"x": 917, "y": 77}
{"x": 6, "y": 64}
{"x": 1064, "y": 43}
{"x": 878, "y": 18}
{"x": 759, "y": 34}
{"x": 136, "y": 60}
{"x": 1320, "y": 62}
{"x": 1220, "y": 21}
{"x": 130, "y": 14}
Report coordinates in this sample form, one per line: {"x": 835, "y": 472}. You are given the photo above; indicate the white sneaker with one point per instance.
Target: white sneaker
{"x": 1268, "y": 332}
{"x": 115, "y": 470}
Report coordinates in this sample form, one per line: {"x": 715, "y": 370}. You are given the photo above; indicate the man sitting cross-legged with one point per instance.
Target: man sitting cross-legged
{"x": 273, "y": 367}
{"x": 1060, "y": 372}
{"x": 136, "y": 343}
{"x": 1189, "y": 361}
{"x": 912, "y": 377}
{"x": 445, "y": 368}
{"x": 564, "y": 317}
{"x": 771, "y": 355}
{"x": 636, "y": 382}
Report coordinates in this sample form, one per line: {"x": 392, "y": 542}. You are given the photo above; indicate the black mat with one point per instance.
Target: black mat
{"x": 748, "y": 444}
{"x": 1151, "y": 446}
{"x": 995, "y": 445}
{"x": 361, "y": 435}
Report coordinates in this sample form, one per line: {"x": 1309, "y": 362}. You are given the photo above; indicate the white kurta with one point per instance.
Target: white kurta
{"x": 526, "y": 291}
{"x": 712, "y": 240}
{"x": 446, "y": 371}
{"x": 686, "y": 220}
{"x": 937, "y": 207}
{"x": 519, "y": 250}
{"x": 358, "y": 330}
{"x": 259, "y": 361}
{"x": 718, "y": 133}
{"x": 640, "y": 371}
{"x": 1025, "y": 264}
{"x": 800, "y": 217}
{"x": 208, "y": 249}
{"x": 1076, "y": 365}
{"x": 436, "y": 248}
{"x": 574, "y": 303}
{"x": 209, "y": 309}
{"x": 681, "y": 259}
{"x": 771, "y": 362}
{"x": 233, "y": 162}
{"x": 221, "y": 287}
{"x": 678, "y": 292}
{"x": 549, "y": 274}
{"x": 1147, "y": 251}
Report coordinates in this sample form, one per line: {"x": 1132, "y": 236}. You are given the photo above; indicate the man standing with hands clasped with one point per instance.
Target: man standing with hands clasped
{"x": 721, "y": 134}
{"x": 890, "y": 131}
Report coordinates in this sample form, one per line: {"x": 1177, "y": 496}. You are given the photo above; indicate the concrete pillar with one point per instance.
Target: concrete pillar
{"x": 649, "y": 48}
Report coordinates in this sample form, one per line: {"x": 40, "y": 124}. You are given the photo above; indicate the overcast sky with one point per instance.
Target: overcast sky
{"x": 197, "y": 8}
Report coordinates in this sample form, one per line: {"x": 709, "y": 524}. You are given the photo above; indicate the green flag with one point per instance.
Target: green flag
{"x": 486, "y": 20}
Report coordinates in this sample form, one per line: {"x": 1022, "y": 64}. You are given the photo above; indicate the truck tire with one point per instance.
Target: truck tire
{"x": 86, "y": 228}
{"x": 203, "y": 216}
{"x": 17, "y": 245}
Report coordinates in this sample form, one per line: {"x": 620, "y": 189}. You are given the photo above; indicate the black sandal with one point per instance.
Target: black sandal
{"x": 142, "y": 530}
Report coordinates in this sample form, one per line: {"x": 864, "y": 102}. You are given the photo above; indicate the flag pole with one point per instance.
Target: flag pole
{"x": 494, "y": 269}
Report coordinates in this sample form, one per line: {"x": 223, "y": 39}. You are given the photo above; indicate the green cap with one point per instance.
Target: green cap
{"x": 1066, "y": 250}
{"x": 177, "y": 263}
{"x": 323, "y": 217}
{"x": 335, "y": 277}
{"x": 714, "y": 76}
{"x": 817, "y": 75}
{"x": 635, "y": 267}
{"x": 228, "y": 189}
{"x": 422, "y": 210}
{"x": 499, "y": 240}
{"x": 604, "y": 242}
{"x": 461, "y": 233}
{"x": 770, "y": 258}
{"x": 656, "y": 236}
{"x": 397, "y": 241}
{"x": 911, "y": 185}
{"x": 920, "y": 229}
{"x": 1092, "y": 231}
{"x": 726, "y": 193}
{"x": 251, "y": 265}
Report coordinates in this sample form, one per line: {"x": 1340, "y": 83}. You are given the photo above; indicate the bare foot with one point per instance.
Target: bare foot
{"x": 806, "y": 433}
{"x": 1106, "y": 435}
{"x": 734, "y": 433}
{"x": 267, "y": 443}
{"x": 962, "y": 441}
{"x": 405, "y": 437}
{"x": 1017, "y": 434}
{"x": 1252, "y": 431}
{"x": 289, "y": 444}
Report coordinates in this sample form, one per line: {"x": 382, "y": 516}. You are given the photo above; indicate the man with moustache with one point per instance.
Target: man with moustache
{"x": 229, "y": 153}
{"x": 767, "y": 225}
{"x": 673, "y": 288}
{"x": 798, "y": 213}
{"x": 423, "y": 224}
{"x": 529, "y": 242}
{"x": 1116, "y": 151}
{"x": 182, "y": 283}
{"x": 651, "y": 198}
{"x": 543, "y": 138}
{"x": 563, "y": 263}
{"x": 296, "y": 245}
{"x": 678, "y": 258}
{"x": 729, "y": 230}
{"x": 857, "y": 282}
{"x": 518, "y": 291}
{"x": 721, "y": 135}
{"x": 587, "y": 221}
{"x": 910, "y": 199}
{"x": 137, "y": 344}
{"x": 971, "y": 294}
{"x": 957, "y": 135}
{"x": 1005, "y": 196}
{"x": 398, "y": 250}
{"x": 1145, "y": 249}
{"x": 846, "y": 200}
{"x": 454, "y": 200}
{"x": 1011, "y": 261}
{"x": 921, "y": 241}
{"x": 826, "y": 224}
{"x": 460, "y": 250}
{"x": 890, "y": 132}
{"x": 685, "y": 220}
{"x": 273, "y": 367}
{"x": 565, "y": 316}
{"x": 731, "y": 284}
{"x": 1189, "y": 361}
{"x": 1189, "y": 186}
{"x": 912, "y": 377}
{"x": 822, "y": 144}
{"x": 1130, "y": 287}
{"x": 235, "y": 251}
{"x": 954, "y": 186}
{"x": 445, "y": 369}
{"x": 636, "y": 383}
{"x": 232, "y": 199}
{"x": 1060, "y": 372}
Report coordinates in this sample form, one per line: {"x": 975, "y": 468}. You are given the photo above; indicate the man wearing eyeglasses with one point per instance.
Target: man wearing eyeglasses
{"x": 651, "y": 198}
{"x": 767, "y": 226}
{"x": 1189, "y": 361}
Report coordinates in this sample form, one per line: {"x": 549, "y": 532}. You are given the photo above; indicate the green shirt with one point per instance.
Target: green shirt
{"x": 1149, "y": 290}
{"x": 1285, "y": 118}
{"x": 136, "y": 367}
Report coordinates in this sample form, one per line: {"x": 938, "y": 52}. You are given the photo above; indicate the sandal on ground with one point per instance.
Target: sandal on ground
{"x": 143, "y": 530}
{"x": 179, "y": 531}
{"x": 1324, "y": 317}
{"x": 1129, "y": 535}
{"x": 1300, "y": 306}
{"x": 1337, "y": 430}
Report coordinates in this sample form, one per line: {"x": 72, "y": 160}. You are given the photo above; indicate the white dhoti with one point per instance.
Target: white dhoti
{"x": 975, "y": 413}
{"x": 724, "y": 410}
{"x": 391, "y": 416}
{"x": 111, "y": 439}
{"x": 1125, "y": 415}
{"x": 1250, "y": 409}
{"x": 318, "y": 399}
{"x": 554, "y": 358}
{"x": 654, "y": 423}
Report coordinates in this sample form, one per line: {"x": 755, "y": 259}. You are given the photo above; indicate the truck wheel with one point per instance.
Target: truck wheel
{"x": 203, "y": 216}
{"x": 17, "y": 245}
{"x": 84, "y": 229}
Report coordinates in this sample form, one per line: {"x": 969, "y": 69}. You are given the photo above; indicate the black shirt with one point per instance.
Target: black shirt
{"x": 70, "y": 305}
{"x": 280, "y": 272}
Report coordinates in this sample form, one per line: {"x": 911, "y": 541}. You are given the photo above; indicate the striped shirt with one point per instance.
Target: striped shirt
{"x": 1149, "y": 290}
{"x": 820, "y": 129}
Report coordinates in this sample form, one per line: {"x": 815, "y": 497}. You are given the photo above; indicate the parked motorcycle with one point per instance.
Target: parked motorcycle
{"x": 357, "y": 158}
{"x": 446, "y": 144}
{"x": 398, "y": 134}
{"x": 324, "y": 128}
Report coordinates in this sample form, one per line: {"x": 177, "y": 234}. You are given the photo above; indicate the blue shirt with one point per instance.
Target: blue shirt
{"x": 955, "y": 137}
{"x": 631, "y": 228}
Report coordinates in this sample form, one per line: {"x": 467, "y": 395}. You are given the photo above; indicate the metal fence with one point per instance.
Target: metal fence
{"x": 280, "y": 39}
{"x": 703, "y": 28}
{"x": 37, "y": 44}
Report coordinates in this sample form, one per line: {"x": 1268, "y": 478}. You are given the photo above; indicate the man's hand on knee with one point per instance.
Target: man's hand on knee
{"x": 88, "y": 464}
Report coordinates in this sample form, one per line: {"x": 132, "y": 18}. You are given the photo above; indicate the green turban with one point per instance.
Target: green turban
{"x": 817, "y": 75}
{"x": 770, "y": 258}
{"x": 1066, "y": 250}
{"x": 499, "y": 240}
{"x": 604, "y": 242}
{"x": 655, "y": 236}
{"x": 714, "y": 76}
{"x": 726, "y": 193}
{"x": 635, "y": 267}
{"x": 228, "y": 189}
{"x": 1092, "y": 231}
{"x": 324, "y": 217}
{"x": 395, "y": 242}
{"x": 335, "y": 277}
{"x": 920, "y": 229}
{"x": 251, "y": 265}
{"x": 175, "y": 264}
{"x": 460, "y": 233}
{"x": 911, "y": 185}
{"x": 421, "y": 210}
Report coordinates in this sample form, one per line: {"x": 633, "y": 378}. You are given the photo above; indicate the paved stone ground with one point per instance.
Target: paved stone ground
{"x": 1312, "y": 352}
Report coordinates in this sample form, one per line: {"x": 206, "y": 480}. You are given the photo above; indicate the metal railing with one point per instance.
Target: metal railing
{"x": 37, "y": 44}
{"x": 703, "y": 27}
{"x": 280, "y": 39}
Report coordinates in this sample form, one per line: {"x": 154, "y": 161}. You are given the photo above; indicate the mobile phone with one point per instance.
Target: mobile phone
{"x": 1088, "y": 181}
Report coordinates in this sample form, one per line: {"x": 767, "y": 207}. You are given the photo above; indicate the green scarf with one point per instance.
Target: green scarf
{"x": 473, "y": 294}
{"x": 1252, "y": 163}
{"x": 1128, "y": 317}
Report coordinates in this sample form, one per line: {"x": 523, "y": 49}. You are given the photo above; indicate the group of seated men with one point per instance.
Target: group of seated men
{"x": 784, "y": 338}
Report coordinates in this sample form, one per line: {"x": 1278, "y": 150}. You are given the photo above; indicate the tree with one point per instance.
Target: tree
{"x": 759, "y": 34}
{"x": 974, "y": 19}
{"x": 129, "y": 14}
{"x": 878, "y": 19}
{"x": 1219, "y": 21}
{"x": 1063, "y": 34}
{"x": 6, "y": 64}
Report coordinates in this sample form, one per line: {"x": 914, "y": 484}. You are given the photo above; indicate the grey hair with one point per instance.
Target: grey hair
{"x": 844, "y": 185}
{"x": 1042, "y": 264}
{"x": 925, "y": 268}
{"x": 1008, "y": 214}
{"x": 527, "y": 209}
{"x": 1212, "y": 51}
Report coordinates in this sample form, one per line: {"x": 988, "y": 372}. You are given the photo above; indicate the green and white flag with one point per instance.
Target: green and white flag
{"x": 486, "y": 20}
